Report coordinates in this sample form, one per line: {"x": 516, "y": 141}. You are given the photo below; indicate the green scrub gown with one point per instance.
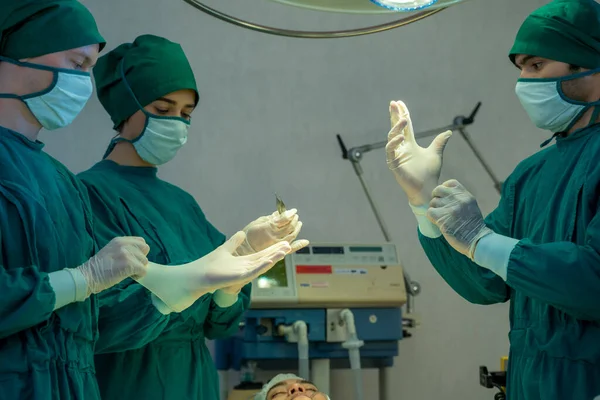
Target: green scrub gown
{"x": 45, "y": 227}
{"x": 550, "y": 203}
{"x": 143, "y": 354}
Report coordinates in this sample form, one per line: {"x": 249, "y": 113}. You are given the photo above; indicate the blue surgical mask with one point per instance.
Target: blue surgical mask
{"x": 60, "y": 103}
{"x": 161, "y": 138}
{"x": 547, "y": 105}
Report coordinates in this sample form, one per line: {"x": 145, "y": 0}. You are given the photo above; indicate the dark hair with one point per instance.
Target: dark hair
{"x": 574, "y": 68}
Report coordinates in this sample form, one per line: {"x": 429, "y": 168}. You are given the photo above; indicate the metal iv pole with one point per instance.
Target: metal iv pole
{"x": 355, "y": 155}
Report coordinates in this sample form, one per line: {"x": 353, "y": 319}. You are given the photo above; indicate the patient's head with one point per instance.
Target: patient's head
{"x": 290, "y": 387}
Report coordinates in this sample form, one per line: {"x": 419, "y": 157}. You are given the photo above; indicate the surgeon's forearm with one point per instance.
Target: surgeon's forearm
{"x": 177, "y": 287}
{"x": 224, "y": 299}
{"x": 160, "y": 305}
{"x": 426, "y": 227}
{"x": 493, "y": 253}
{"x": 69, "y": 286}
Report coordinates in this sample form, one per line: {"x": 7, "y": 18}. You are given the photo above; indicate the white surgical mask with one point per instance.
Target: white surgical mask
{"x": 161, "y": 139}
{"x": 58, "y": 105}
{"x": 546, "y": 104}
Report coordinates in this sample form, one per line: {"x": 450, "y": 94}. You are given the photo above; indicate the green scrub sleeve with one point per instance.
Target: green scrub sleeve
{"x": 27, "y": 296}
{"x": 27, "y": 299}
{"x": 224, "y": 322}
{"x": 474, "y": 283}
{"x": 141, "y": 322}
{"x": 562, "y": 274}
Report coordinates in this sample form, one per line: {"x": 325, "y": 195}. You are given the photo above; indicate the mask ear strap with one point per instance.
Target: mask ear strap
{"x": 9, "y": 95}
{"x": 35, "y": 66}
{"x": 128, "y": 87}
{"x": 131, "y": 93}
{"x": 548, "y": 141}
{"x": 112, "y": 145}
{"x": 39, "y": 67}
{"x": 110, "y": 148}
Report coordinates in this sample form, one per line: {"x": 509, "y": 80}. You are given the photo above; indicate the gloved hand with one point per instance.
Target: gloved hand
{"x": 455, "y": 211}
{"x": 180, "y": 286}
{"x": 268, "y": 230}
{"x": 417, "y": 169}
{"x": 121, "y": 258}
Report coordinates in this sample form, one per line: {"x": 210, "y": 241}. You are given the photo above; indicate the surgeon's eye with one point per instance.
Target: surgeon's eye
{"x": 186, "y": 116}
{"x": 537, "y": 66}
{"x": 161, "y": 111}
{"x": 78, "y": 66}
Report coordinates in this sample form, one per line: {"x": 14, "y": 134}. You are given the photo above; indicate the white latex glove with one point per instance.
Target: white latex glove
{"x": 121, "y": 258}
{"x": 455, "y": 211}
{"x": 180, "y": 286}
{"x": 268, "y": 230}
{"x": 417, "y": 169}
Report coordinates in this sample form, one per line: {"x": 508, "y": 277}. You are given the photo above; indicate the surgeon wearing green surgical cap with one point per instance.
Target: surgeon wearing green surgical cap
{"x": 540, "y": 248}
{"x": 146, "y": 350}
{"x": 48, "y": 270}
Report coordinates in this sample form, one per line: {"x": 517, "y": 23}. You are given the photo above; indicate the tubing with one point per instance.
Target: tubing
{"x": 353, "y": 345}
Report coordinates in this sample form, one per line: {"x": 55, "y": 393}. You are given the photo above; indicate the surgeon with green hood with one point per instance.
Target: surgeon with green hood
{"x": 48, "y": 270}
{"x": 147, "y": 349}
{"x": 540, "y": 248}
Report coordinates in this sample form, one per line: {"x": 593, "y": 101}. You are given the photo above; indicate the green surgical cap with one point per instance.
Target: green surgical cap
{"x": 563, "y": 30}
{"x": 153, "y": 67}
{"x": 33, "y": 28}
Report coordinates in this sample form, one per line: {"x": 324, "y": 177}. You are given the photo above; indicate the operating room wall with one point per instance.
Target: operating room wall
{"x": 270, "y": 109}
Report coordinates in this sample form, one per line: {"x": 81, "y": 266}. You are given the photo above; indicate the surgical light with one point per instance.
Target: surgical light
{"x": 369, "y": 6}
{"x": 415, "y": 10}
{"x": 404, "y": 5}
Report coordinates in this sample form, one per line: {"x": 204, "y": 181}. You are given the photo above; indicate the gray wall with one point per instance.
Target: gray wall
{"x": 269, "y": 113}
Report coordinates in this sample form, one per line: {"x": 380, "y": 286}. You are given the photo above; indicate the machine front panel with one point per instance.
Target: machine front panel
{"x": 329, "y": 275}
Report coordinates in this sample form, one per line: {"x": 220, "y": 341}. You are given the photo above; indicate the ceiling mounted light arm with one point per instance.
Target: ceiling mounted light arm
{"x": 312, "y": 34}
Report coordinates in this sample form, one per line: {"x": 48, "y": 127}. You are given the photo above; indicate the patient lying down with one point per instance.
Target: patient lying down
{"x": 290, "y": 387}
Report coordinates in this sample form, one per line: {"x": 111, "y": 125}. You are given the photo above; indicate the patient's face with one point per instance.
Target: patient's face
{"x": 294, "y": 389}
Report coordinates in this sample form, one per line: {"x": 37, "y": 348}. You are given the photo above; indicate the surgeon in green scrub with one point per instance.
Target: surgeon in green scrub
{"x": 540, "y": 248}
{"x": 48, "y": 270}
{"x": 145, "y": 350}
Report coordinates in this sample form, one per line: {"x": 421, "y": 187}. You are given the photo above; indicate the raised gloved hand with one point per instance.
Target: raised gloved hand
{"x": 455, "y": 211}
{"x": 121, "y": 258}
{"x": 268, "y": 230}
{"x": 417, "y": 169}
{"x": 181, "y": 285}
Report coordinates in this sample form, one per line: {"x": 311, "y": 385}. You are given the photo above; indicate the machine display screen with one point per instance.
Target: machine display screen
{"x": 328, "y": 250}
{"x": 276, "y": 277}
{"x": 356, "y": 249}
